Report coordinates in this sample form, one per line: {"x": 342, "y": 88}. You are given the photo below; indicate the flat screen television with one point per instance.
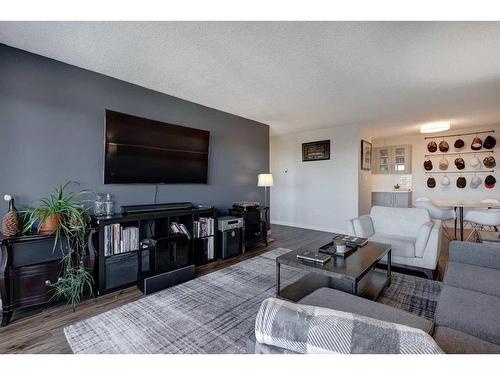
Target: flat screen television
{"x": 138, "y": 150}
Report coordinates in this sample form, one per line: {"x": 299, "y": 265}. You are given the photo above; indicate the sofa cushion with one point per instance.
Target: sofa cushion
{"x": 478, "y": 254}
{"x": 311, "y": 329}
{"x": 479, "y": 279}
{"x": 402, "y": 246}
{"x": 363, "y": 226}
{"x": 398, "y": 221}
{"x": 470, "y": 312}
{"x": 456, "y": 342}
{"x": 337, "y": 300}
{"x": 423, "y": 235}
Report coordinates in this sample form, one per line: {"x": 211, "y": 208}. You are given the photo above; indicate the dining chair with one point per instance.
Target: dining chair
{"x": 438, "y": 213}
{"x": 483, "y": 219}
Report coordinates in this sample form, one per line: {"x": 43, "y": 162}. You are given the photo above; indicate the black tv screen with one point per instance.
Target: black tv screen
{"x": 138, "y": 150}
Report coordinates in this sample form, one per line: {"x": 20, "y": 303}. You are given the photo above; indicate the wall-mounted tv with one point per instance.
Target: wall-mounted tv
{"x": 138, "y": 150}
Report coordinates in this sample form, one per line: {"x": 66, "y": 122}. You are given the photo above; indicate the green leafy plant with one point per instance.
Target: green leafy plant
{"x": 70, "y": 237}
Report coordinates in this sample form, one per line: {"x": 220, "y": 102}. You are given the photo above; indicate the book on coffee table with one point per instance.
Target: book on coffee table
{"x": 311, "y": 256}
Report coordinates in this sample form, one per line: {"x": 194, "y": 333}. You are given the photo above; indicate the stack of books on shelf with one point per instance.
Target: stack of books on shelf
{"x": 118, "y": 239}
{"x": 203, "y": 227}
{"x": 177, "y": 228}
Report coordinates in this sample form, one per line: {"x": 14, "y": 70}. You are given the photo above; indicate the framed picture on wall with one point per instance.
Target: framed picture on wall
{"x": 319, "y": 150}
{"x": 366, "y": 155}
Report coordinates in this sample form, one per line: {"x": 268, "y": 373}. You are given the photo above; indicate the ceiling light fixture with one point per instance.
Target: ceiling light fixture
{"x": 434, "y": 127}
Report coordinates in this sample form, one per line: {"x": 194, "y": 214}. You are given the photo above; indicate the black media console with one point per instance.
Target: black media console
{"x": 166, "y": 246}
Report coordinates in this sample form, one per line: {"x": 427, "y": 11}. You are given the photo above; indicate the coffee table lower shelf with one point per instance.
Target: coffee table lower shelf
{"x": 369, "y": 287}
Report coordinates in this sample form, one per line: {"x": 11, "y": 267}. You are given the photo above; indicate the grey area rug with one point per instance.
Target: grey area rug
{"x": 215, "y": 313}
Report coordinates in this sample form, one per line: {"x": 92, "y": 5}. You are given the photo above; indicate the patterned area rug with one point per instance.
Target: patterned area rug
{"x": 215, "y": 313}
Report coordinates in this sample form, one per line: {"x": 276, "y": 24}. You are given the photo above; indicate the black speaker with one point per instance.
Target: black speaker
{"x": 165, "y": 280}
{"x": 230, "y": 242}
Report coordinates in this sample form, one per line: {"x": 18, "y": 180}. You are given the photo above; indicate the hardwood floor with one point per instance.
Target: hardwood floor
{"x": 43, "y": 332}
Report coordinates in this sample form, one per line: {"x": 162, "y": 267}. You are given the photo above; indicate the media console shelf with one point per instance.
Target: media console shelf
{"x": 157, "y": 244}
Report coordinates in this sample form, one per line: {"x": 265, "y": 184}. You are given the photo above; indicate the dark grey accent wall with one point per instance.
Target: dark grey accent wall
{"x": 52, "y": 131}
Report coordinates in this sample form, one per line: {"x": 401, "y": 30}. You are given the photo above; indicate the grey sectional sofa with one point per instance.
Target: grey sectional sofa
{"x": 468, "y": 314}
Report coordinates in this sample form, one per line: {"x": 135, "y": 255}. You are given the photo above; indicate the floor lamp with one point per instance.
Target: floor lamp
{"x": 265, "y": 180}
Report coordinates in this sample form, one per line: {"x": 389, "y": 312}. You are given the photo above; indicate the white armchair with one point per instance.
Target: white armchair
{"x": 414, "y": 236}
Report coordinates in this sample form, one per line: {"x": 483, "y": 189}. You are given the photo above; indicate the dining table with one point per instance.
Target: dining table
{"x": 460, "y": 204}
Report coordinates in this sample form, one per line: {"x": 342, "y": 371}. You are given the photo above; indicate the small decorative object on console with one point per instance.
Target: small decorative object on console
{"x": 99, "y": 205}
{"x": 109, "y": 205}
{"x": 10, "y": 222}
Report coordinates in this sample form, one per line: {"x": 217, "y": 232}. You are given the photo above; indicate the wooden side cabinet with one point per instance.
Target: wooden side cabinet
{"x": 29, "y": 265}
{"x": 255, "y": 225}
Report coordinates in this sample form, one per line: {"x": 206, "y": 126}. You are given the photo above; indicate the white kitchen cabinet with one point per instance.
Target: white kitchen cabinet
{"x": 392, "y": 159}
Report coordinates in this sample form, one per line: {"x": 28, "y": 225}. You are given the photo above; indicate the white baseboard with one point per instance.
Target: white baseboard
{"x": 312, "y": 227}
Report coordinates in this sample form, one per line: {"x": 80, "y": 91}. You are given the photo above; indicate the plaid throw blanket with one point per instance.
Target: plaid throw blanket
{"x": 293, "y": 328}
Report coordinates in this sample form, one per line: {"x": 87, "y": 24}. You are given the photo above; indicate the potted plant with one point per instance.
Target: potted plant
{"x": 63, "y": 215}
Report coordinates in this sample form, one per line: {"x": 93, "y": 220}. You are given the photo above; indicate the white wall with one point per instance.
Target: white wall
{"x": 364, "y": 179}
{"x": 320, "y": 195}
{"x": 419, "y": 178}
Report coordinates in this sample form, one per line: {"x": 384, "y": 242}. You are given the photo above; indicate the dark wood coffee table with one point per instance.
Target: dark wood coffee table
{"x": 354, "y": 273}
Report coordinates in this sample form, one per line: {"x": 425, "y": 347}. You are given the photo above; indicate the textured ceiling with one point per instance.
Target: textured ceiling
{"x": 294, "y": 75}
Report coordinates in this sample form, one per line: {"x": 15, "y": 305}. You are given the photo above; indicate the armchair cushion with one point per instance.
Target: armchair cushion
{"x": 401, "y": 245}
{"x": 398, "y": 221}
{"x": 423, "y": 235}
{"x": 414, "y": 236}
{"x": 363, "y": 226}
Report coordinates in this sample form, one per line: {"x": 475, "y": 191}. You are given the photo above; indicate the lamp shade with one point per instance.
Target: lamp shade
{"x": 265, "y": 180}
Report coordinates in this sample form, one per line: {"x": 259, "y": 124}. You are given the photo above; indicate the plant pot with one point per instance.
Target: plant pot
{"x": 50, "y": 225}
